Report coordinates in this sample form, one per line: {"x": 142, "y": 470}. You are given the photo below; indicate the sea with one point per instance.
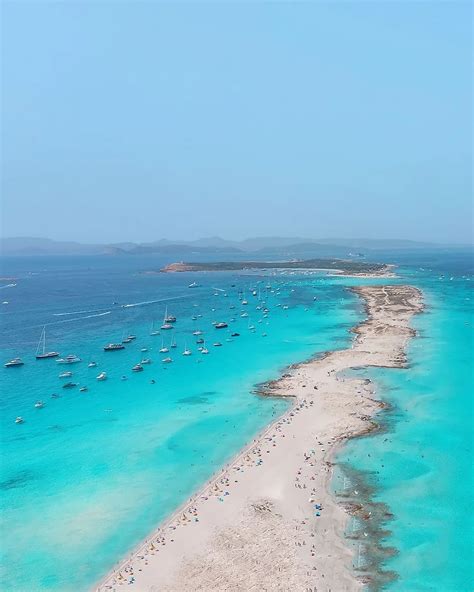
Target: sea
{"x": 89, "y": 474}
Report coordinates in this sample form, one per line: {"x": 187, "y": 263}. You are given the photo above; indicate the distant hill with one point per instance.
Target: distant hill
{"x": 284, "y": 246}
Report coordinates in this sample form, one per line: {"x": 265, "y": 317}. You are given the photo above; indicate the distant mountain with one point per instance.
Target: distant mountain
{"x": 284, "y": 246}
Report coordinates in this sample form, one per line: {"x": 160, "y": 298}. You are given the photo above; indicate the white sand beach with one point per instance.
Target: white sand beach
{"x": 268, "y": 521}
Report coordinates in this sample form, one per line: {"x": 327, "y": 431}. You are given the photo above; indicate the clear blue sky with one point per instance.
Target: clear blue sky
{"x": 137, "y": 121}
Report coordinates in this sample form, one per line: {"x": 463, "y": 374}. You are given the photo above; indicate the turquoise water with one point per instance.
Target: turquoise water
{"x": 84, "y": 479}
{"x": 421, "y": 463}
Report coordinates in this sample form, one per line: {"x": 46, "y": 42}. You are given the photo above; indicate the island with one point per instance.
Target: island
{"x": 340, "y": 266}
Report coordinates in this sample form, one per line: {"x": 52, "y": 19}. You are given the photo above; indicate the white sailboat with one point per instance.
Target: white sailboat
{"x": 153, "y": 331}
{"x": 163, "y": 349}
{"x": 41, "y": 352}
{"x": 186, "y": 352}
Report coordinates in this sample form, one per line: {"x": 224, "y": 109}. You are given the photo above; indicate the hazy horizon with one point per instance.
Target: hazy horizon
{"x": 129, "y": 122}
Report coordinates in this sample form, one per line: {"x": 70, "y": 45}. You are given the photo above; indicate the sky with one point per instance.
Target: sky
{"x": 143, "y": 120}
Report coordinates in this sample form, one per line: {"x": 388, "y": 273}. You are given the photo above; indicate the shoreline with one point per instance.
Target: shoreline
{"x": 265, "y": 512}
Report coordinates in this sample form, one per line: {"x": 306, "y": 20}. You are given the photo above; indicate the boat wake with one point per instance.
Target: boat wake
{"x": 62, "y": 314}
{"x": 7, "y": 286}
{"x": 100, "y": 314}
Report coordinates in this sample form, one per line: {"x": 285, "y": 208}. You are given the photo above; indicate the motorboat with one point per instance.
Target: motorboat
{"x": 14, "y": 362}
{"x": 92, "y": 364}
{"x": 83, "y": 389}
{"x": 39, "y": 405}
{"x": 102, "y": 376}
{"x": 217, "y": 344}
{"x": 145, "y": 361}
{"x": 166, "y": 326}
{"x": 41, "y": 352}
{"x": 69, "y": 385}
{"x": 193, "y": 285}
{"x": 166, "y": 360}
{"x": 67, "y": 374}
{"x": 221, "y": 325}
{"x": 137, "y": 368}
{"x": 70, "y": 359}
{"x": 19, "y": 419}
{"x": 114, "y": 346}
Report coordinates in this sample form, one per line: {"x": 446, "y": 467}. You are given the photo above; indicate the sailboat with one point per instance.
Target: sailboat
{"x": 41, "y": 352}
{"x": 186, "y": 352}
{"x": 163, "y": 349}
{"x": 173, "y": 343}
{"x": 166, "y": 325}
{"x": 154, "y": 331}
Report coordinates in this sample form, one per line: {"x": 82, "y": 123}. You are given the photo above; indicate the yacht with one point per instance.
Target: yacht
{"x": 221, "y": 325}
{"x": 144, "y": 349}
{"x": 92, "y": 364}
{"x": 39, "y": 405}
{"x": 193, "y": 285}
{"x": 41, "y": 352}
{"x": 166, "y": 360}
{"x": 83, "y": 389}
{"x": 145, "y": 361}
{"x": 67, "y": 374}
{"x": 198, "y": 332}
{"x": 114, "y": 346}
{"x": 14, "y": 362}
{"x": 71, "y": 359}
{"x": 217, "y": 344}
{"x": 19, "y": 419}
{"x": 137, "y": 368}
{"x": 166, "y": 326}
{"x": 102, "y": 376}
{"x": 170, "y": 319}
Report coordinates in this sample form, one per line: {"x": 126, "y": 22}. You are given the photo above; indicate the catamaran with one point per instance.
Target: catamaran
{"x": 41, "y": 352}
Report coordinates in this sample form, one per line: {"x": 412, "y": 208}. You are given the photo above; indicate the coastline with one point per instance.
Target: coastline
{"x": 254, "y": 521}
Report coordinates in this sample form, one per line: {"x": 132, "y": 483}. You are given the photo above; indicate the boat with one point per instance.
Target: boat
{"x": 102, "y": 376}
{"x": 70, "y": 359}
{"x": 92, "y": 364}
{"x": 198, "y": 332}
{"x": 200, "y": 340}
{"x": 67, "y": 374}
{"x": 127, "y": 340}
{"x": 166, "y": 360}
{"x": 244, "y": 315}
{"x": 39, "y": 405}
{"x": 154, "y": 331}
{"x": 137, "y": 368}
{"x": 131, "y": 337}
{"x": 166, "y": 326}
{"x": 173, "y": 343}
{"x": 145, "y": 361}
{"x": 186, "y": 352}
{"x": 193, "y": 285}
{"x": 244, "y": 302}
{"x": 123, "y": 378}
{"x": 217, "y": 344}
{"x": 83, "y": 389}
{"x": 14, "y": 362}
{"x": 19, "y": 419}
{"x": 69, "y": 384}
{"x": 235, "y": 335}
{"x": 170, "y": 319}
{"x": 204, "y": 350}
{"x": 113, "y": 346}
{"x": 163, "y": 349}
{"x": 221, "y": 325}
{"x": 144, "y": 349}
{"x": 41, "y": 352}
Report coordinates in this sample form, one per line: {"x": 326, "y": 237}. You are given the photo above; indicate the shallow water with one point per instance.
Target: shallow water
{"x": 421, "y": 462}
